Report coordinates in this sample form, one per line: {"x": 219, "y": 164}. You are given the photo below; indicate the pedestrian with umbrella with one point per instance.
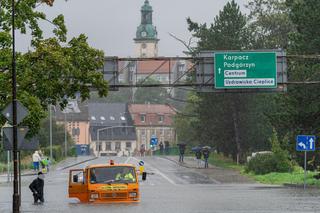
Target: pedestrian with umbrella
{"x": 198, "y": 154}
{"x": 206, "y": 153}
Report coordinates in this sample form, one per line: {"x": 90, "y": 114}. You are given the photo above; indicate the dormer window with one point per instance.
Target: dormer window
{"x": 122, "y": 118}
{"x": 143, "y": 118}
{"x": 160, "y": 118}
{"x": 93, "y": 118}
{"x": 112, "y": 118}
{"x": 102, "y": 118}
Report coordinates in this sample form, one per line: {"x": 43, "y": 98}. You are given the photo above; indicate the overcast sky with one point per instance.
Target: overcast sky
{"x": 111, "y": 24}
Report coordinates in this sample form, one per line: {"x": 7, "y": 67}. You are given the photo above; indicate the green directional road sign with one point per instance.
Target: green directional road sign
{"x": 235, "y": 70}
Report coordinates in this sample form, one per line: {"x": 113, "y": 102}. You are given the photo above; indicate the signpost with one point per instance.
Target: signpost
{"x": 305, "y": 143}
{"x": 153, "y": 141}
{"x": 241, "y": 70}
{"x": 14, "y": 140}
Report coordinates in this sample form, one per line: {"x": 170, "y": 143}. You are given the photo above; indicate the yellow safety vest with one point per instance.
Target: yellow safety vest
{"x": 128, "y": 176}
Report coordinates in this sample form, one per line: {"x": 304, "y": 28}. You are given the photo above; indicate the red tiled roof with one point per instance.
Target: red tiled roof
{"x": 152, "y": 113}
{"x": 162, "y": 66}
{"x": 151, "y": 108}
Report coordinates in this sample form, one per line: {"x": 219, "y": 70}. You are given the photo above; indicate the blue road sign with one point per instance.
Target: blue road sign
{"x": 153, "y": 141}
{"x": 141, "y": 163}
{"x": 306, "y": 143}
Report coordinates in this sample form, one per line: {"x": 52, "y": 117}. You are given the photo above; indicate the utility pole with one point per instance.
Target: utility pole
{"x": 16, "y": 196}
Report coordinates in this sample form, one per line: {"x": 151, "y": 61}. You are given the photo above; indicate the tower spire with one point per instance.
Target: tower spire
{"x": 146, "y": 33}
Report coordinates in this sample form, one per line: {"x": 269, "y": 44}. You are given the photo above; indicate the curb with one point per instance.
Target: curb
{"x": 75, "y": 164}
{"x": 300, "y": 186}
{"x": 184, "y": 164}
{"x": 178, "y": 163}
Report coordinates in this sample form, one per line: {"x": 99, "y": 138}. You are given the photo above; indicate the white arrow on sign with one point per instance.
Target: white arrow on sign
{"x": 302, "y": 145}
{"x": 311, "y": 143}
{"x": 219, "y": 71}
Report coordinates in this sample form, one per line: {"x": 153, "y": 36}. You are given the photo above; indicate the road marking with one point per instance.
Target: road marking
{"x": 198, "y": 172}
{"x": 160, "y": 173}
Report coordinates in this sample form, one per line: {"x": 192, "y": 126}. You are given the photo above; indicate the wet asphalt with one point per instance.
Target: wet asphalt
{"x": 169, "y": 188}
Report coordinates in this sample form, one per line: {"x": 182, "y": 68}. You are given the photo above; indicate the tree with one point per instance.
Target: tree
{"x": 229, "y": 122}
{"x": 52, "y": 71}
{"x": 269, "y": 24}
{"x": 153, "y": 95}
{"x": 57, "y": 136}
{"x": 185, "y": 122}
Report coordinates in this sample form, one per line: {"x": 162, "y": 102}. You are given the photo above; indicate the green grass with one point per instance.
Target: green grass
{"x": 221, "y": 161}
{"x": 295, "y": 177}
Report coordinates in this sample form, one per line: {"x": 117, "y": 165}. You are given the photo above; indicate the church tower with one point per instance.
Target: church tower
{"x": 146, "y": 36}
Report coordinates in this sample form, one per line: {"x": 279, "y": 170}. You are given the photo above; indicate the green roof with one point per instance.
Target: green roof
{"x": 146, "y": 6}
{"x": 150, "y": 32}
{"x": 146, "y": 31}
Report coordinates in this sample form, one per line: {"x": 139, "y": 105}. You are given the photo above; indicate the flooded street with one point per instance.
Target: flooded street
{"x": 169, "y": 188}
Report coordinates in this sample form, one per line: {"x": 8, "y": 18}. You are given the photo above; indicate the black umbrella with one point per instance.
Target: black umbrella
{"x": 196, "y": 149}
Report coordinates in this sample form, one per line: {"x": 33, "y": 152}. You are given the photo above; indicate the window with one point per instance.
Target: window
{"x": 102, "y": 118}
{"x": 131, "y": 68}
{"x": 121, "y": 78}
{"x": 161, "y": 118}
{"x": 109, "y": 174}
{"x": 98, "y": 147}
{"x": 112, "y": 118}
{"x": 128, "y": 145}
{"x": 118, "y": 146}
{"x": 108, "y": 146}
{"x": 77, "y": 177}
{"x": 75, "y": 131}
{"x": 122, "y": 118}
{"x": 93, "y": 118}
{"x": 162, "y": 132}
{"x": 180, "y": 67}
{"x": 143, "y": 132}
{"x": 143, "y": 118}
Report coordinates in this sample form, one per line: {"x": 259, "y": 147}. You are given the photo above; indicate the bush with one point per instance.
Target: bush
{"x": 72, "y": 152}
{"x": 57, "y": 152}
{"x": 261, "y": 164}
{"x": 278, "y": 161}
{"x": 266, "y": 163}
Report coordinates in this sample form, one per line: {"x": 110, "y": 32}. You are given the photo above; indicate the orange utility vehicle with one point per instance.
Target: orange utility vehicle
{"x": 105, "y": 183}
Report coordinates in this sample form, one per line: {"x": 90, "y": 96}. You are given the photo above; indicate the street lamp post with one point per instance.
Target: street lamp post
{"x": 50, "y": 120}
{"x": 65, "y": 133}
{"x": 16, "y": 195}
{"x": 50, "y": 134}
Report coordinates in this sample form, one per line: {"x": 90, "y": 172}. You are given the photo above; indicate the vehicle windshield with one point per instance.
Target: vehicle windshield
{"x": 117, "y": 174}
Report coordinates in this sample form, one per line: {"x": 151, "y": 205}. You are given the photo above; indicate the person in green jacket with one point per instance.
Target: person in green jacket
{"x": 125, "y": 175}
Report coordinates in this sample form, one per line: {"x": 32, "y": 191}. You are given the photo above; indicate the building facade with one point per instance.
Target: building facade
{"x": 153, "y": 121}
{"x": 111, "y": 129}
{"x": 75, "y": 118}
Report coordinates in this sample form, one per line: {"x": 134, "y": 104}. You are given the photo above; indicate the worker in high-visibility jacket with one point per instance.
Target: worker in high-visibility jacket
{"x": 125, "y": 175}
